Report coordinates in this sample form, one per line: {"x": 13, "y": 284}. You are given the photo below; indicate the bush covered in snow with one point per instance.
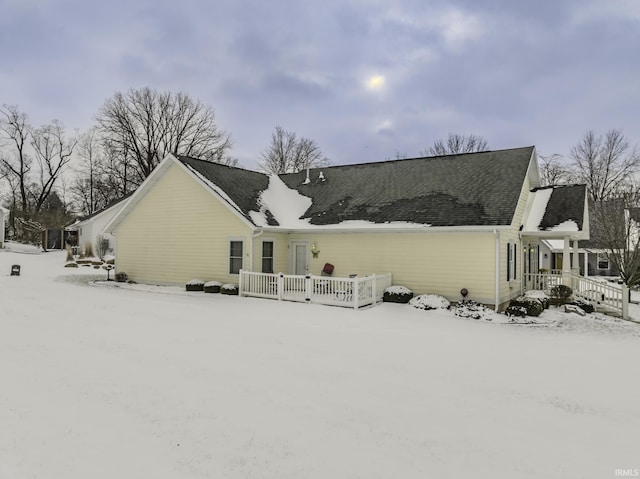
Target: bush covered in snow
{"x": 397, "y": 294}
{"x": 516, "y": 311}
{"x": 560, "y": 294}
{"x": 468, "y": 308}
{"x": 584, "y": 305}
{"x": 540, "y": 296}
{"x": 429, "y": 301}
{"x": 212, "y": 286}
{"x": 533, "y": 306}
{"x": 121, "y": 277}
{"x": 229, "y": 288}
{"x": 71, "y": 264}
{"x": 195, "y": 285}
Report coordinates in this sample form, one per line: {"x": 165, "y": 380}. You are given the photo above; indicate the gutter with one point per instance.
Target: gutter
{"x": 496, "y": 233}
{"x": 256, "y": 233}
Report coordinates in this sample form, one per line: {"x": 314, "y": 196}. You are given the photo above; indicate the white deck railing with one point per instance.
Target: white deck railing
{"x": 607, "y": 296}
{"x": 353, "y": 292}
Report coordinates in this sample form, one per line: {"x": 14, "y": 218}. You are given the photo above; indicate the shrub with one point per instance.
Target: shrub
{"x": 532, "y": 306}
{"x": 229, "y": 288}
{"x": 429, "y": 301}
{"x": 560, "y": 294}
{"x": 195, "y": 285}
{"x": 584, "y": 305}
{"x": 516, "y": 311}
{"x": 397, "y": 294}
{"x": 71, "y": 264}
{"x": 69, "y": 256}
{"x": 122, "y": 277}
{"x": 212, "y": 287}
{"x": 88, "y": 249}
{"x": 468, "y": 308}
{"x": 540, "y": 296}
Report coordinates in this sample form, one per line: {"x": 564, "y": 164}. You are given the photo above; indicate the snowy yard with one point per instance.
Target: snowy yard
{"x": 106, "y": 382}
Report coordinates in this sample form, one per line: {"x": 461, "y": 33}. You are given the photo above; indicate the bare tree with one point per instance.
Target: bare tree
{"x": 607, "y": 164}
{"x": 288, "y": 154}
{"x": 615, "y": 227}
{"x": 101, "y": 247}
{"x": 52, "y": 153}
{"x": 142, "y": 126}
{"x": 15, "y": 131}
{"x": 554, "y": 171}
{"x": 457, "y": 143}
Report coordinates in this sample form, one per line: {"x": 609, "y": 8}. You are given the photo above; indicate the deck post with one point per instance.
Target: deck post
{"x": 307, "y": 288}
{"x": 374, "y": 289}
{"x": 356, "y": 294}
{"x": 280, "y": 286}
{"x": 625, "y": 301}
{"x": 240, "y": 281}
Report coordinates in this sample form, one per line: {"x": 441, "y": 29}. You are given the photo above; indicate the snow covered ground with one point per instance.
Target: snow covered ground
{"x": 107, "y": 382}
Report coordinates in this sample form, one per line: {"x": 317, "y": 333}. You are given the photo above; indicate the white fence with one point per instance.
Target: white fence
{"x": 541, "y": 281}
{"x": 605, "y": 295}
{"x": 608, "y": 296}
{"x": 353, "y": 292}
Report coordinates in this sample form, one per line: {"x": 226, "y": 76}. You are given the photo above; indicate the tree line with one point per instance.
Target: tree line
{"x": 136, "y": 129}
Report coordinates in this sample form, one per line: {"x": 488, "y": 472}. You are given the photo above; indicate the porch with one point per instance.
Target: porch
{"x": 354, "y": 292}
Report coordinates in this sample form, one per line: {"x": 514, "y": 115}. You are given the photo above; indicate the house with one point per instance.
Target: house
{"x": 89, "y": 228}
{"x": 595, "y": 253}
{"x": 4, "y": 218}
{"x": 438, "y": 224}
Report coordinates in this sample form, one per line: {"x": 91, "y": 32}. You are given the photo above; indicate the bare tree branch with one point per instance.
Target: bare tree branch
{"x": 143, "y": 126}
{"x": 287, "y": 154}
{"x": 457, "y": 143}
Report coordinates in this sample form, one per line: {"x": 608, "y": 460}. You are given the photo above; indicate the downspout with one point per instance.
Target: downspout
{"x": 496, "y": 233}
{"x": 257, "y": 233}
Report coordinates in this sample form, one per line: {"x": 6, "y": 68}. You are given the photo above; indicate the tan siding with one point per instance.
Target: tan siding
{"x": 280, "y": 259}
{"x": 441, "y": 263}
{"x": 518, "y": 216}
{"x": 179, "y": 231}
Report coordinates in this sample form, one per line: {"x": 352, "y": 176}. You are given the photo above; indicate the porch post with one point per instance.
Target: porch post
{"x": 586, "y": 264}
{"x": 575, "y": 263}
{"x": 566, "y": 263}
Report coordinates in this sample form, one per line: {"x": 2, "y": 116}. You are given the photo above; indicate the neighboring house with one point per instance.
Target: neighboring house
{"x": 438, "y": 224}
{"x": 594, "y": 252}
{"x": 90, "y": 227}
{"x": 4, "y": 218}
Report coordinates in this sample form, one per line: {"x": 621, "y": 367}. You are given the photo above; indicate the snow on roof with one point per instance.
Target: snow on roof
{"x": 538, "y": 207}
{"x": 557, "y": 209}
{"x": 288, "y": 207}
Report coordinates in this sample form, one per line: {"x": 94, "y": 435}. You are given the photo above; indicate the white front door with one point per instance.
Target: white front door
{"x": 300, "y": 253}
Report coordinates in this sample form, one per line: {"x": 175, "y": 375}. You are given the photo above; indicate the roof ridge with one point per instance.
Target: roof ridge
{"x": 397, "y": 160}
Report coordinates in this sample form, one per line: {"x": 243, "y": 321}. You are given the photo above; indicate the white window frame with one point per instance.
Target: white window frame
{"x": 235, "y": 240}
{"x": 273, "y": 254}
{"x": 511, "y": 261}
{"x": 606, "y": 259}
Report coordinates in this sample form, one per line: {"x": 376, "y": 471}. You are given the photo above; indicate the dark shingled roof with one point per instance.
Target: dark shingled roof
{"x": 453, "y": 190}
{"x": 566, "y": 203}
{"x": 469, "y": 189}
{"x": 243, "y": 187}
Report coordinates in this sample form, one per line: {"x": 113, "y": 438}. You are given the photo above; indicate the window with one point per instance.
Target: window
{"x": 603, "y": 261}
{"x": 511, "y": 261}
{"x": 235, "y": 256}
{"x": 267, "y": 256}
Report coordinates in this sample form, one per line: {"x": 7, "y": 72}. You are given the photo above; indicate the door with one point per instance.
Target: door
{"x": 300, "y": 260}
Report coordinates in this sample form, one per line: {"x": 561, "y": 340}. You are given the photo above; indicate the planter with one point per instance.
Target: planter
{"x": 212, "y": 287}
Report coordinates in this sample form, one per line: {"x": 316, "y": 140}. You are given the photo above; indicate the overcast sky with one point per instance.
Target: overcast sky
{"x": 365, "y": 79}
